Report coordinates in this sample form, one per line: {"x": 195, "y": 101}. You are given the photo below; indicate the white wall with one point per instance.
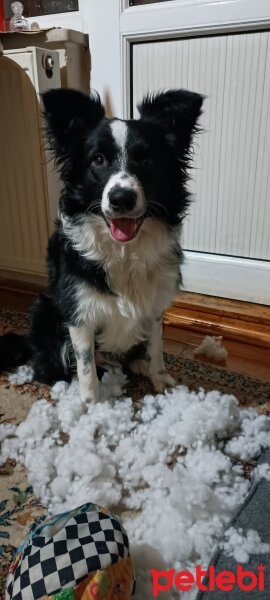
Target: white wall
{"x": 68, "y": 20}
{"x": 101, "y": 20}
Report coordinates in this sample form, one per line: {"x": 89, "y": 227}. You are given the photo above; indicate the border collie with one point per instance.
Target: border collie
{"x": 114, "y": 259}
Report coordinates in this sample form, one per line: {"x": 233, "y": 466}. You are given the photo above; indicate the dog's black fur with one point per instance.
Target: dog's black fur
{"x": 89, "y": 153}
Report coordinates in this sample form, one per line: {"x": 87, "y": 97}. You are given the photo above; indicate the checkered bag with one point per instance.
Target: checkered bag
{"x": 81, "y": 554}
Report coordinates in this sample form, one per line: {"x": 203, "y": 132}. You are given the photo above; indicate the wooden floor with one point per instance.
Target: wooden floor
{"x": 248, "y": 358}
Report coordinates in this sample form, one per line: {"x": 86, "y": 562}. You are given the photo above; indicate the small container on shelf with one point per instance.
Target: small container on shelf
{"x": 18, "y": 22}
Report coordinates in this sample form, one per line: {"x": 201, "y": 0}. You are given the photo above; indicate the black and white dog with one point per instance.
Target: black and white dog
{"x": 114, "y": 259}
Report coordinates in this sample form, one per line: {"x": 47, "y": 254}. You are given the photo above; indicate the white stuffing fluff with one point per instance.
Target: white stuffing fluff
{"x": 262, "y": 471}
{"x": 6, "y": 429}
{"x": 254, "y": 427}
{"x": 240, "y": 546}
{"x": 24, "y": 374}
{"x": 166, "y": 464}
{"x": 212, "y": 347}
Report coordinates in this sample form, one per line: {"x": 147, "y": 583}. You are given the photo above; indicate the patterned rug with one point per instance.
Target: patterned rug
{"x": 18, "y": 506}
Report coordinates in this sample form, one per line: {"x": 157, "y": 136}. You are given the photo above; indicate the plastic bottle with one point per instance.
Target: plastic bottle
{"x": 18, "y": 22}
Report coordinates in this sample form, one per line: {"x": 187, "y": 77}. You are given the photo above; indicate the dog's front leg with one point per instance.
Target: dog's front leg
{"x": 154, "y": 366}
{"x": 83, "y": 341}
{"x": 157, "y": 371}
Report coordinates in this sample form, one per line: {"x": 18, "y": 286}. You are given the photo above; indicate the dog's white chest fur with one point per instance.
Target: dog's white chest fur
{"x": 117, "y": 326}
{"x": 143, "y": 277}
{"x": 122, "y": 321}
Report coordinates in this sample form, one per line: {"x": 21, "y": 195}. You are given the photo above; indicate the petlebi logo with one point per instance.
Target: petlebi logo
{"x": 225, "y": 581}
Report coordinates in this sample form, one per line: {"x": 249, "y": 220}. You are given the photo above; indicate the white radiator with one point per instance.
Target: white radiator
{"x": 25, "y": 175}
{"x": 230, "y": 215}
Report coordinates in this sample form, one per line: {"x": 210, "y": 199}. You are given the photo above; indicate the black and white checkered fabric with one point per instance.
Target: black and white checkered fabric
{"x": 88, "y": 542}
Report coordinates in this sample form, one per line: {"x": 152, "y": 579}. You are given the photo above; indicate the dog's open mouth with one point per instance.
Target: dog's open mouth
{"x": 124, "y": 229}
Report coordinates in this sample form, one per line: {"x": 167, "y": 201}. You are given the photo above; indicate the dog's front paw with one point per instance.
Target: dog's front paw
{"x": 90, "y": 400}
{"x": 162, "y": 381}
{"x": 89, "y": 395}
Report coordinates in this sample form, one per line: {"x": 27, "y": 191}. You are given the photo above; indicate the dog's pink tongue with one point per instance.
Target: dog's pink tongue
{"x": 123, "y": 230}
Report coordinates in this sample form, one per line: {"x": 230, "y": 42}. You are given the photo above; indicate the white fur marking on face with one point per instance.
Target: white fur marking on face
{"x": 119, "y": 132}
{"x": 123, "y": 180}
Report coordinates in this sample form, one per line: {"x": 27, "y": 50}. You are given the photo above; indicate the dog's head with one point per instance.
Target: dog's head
{"x": 124, "y": 171}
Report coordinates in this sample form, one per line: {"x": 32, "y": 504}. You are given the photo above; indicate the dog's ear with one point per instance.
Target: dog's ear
{"x": 177, "y": 113}
{"x": 69, "y": 116}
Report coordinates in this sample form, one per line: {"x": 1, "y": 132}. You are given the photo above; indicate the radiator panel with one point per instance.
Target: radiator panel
{"x": 230, "y": 181}
{"x": 24, "y": 219}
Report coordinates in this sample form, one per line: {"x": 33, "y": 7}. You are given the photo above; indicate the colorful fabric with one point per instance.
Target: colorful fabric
{"x": 78, "y": 555}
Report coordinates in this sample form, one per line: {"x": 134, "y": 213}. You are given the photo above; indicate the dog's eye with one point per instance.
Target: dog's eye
{"x": 99, "y": 160}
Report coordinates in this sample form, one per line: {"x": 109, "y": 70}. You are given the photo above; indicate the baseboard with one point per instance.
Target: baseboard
{"x": 8, "y": 277}
{"x": 18, "y": 295}
{"x": 235, "y": 320}
{"x": 247, "y": 280}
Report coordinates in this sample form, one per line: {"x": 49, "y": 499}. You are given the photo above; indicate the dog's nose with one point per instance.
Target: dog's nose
{"x": 122, "y": 200}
